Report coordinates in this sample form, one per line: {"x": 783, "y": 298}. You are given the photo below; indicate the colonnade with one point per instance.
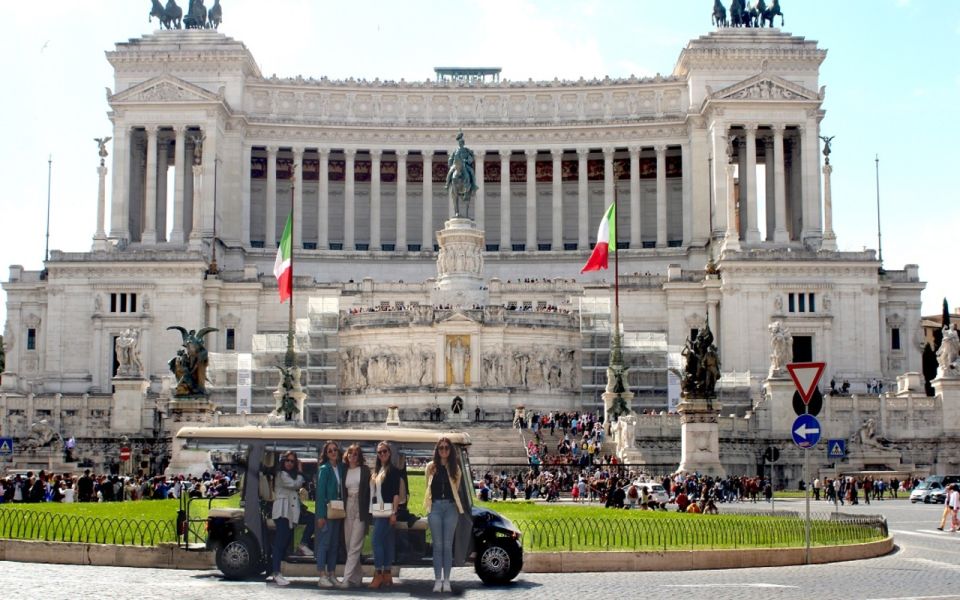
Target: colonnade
{"x": 547, "y": 233}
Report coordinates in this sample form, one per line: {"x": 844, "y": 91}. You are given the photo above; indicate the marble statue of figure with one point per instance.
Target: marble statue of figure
{"x": 867, "y": 435}
{"x": 102, "y": 144}
{"x": 626, "y": 429}
{"x": 781, "y": 342}
{"x": 948, "y": 353}
{"x": 127, "y": 347}
{"x": 459, "y": 353}
{"x": 461, "y": 180}
{"x": 42, "y": 435}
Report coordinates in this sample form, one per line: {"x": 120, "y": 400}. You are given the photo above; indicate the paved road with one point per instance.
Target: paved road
{"x": 925, "y": 566}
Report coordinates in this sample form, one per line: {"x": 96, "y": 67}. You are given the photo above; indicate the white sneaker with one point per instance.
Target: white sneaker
{"x": 345, "y": 584}
{"x": 437, "y": 586}
{"x": 324, "y": 582}
{"x": 280, "y": 580}
{"x": 446, "y": 587}
{"x": 304, "y": 550}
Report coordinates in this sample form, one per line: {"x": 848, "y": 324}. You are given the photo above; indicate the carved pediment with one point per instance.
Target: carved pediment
{"x": 165, "y": 88}
{"x": 458, "y": 316}
{"x": 766, "y": 87}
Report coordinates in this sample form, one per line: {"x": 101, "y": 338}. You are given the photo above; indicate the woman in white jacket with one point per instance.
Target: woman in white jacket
{"x": 286, "y": 509}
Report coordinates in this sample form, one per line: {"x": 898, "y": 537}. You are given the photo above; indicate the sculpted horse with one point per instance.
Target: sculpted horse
{"x": 197, "y": 15}
{"x": 459, "y": 187}
{"x": 215, "y": 16}
{"x": 168, "y": 16}
{"x": 719, "y": 16}
{"x": 770, "y": 13}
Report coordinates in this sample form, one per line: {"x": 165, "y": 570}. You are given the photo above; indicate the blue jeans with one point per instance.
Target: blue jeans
{"x": 328, "y": 544}
{"x": 384, "y": 543}
{"x": 281, "y": 542}
{"x": 443, "y": 523}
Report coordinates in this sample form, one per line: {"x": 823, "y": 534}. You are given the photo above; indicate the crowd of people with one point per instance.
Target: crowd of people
{"x": 38, "y": 487}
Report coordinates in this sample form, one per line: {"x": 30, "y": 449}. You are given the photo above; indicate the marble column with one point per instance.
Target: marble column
{"x": 349, "y": 198}
{"x": 505, "y": 201}
{"x": 479, "y": 201}
{"x": 661, "y": 150}
{"x": 120, "y": 202}
{"x": 426, "y": 229}
{"x": 636, "y": 234}
{"x": 779, "y": 187}
{"x": 583, "y": 233}
{"x": 750, "y": 180}
{"x": 297, "y": 198}
{"x": 163, "y": 163}
{"x": 270, "y": 228}
{"x": 829, "y": 237}
{"x": 687, "y": 192}
{"x": 179, "y": 184}
{"x": 149, "y": 234}
{"x": 100, "y": 243}
{"x": 531, "y": 243}
{"x": 375, "y": 155}
{"x": 556, "y": 238}
{"x": 402, "y": 200}
{"x": 770, "y": 201}
{"x": 323, "y": 200}
{"x": 731, "y": 238}
{"x": 609, "y": 176}
{"x": 246, "y": 159}
{"x": 810, "y": 147}
{"x": 719, "y": 153}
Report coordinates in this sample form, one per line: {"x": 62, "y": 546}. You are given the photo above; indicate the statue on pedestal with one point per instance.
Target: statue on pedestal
{"x": 461, "y": 180}
{"x": 42, "y": 435}
{"x": 626, "y": 433}
{"x": 948, "y": 353}
{"x": 702, "y": 366}
{"x": 127, "y": 348}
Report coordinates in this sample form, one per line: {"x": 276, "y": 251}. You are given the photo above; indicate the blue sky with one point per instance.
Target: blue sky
{"x": 892, "y": 75}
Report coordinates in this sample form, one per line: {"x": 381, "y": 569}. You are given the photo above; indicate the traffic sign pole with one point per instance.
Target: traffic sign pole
{"x": 806, "y": 493}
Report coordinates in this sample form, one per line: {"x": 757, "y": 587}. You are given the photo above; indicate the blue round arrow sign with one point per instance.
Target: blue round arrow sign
{"x": 806, "y": 431}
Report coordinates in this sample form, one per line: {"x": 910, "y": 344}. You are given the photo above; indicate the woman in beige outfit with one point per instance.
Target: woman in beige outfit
{"x": 356, "y": 490}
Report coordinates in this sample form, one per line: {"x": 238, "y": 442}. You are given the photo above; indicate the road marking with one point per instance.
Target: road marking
{"x": 729, "y": 585}
{"x": 926, "y": 533}
{"x": 953, "y": 596}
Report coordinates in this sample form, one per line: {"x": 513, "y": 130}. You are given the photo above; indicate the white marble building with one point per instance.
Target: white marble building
{"x": 719, "y": 160}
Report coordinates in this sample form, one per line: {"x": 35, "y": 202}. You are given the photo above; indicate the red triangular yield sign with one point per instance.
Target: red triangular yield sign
{"x": 805, "y": 377}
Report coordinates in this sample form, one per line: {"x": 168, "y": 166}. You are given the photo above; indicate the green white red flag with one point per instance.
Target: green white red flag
{"x": 606, "y": 235}
{"x": 283, "y": 265}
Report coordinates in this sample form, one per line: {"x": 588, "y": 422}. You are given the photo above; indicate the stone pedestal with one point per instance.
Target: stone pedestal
{"x": 777, "y": 408}
{"x": 609, "y": 397}
{"x": 947, "y": 389}
{"x": 126, "y": 412}
{"x": 700, "y": 437}
{"x": 279, "y": 418}
{"x": 460, "y": 265}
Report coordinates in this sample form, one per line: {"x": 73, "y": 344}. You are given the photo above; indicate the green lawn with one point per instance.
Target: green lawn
{"x": 545, "y": 527}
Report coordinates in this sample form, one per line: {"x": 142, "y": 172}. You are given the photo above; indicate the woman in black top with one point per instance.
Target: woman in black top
{"x": 384, "y": 493}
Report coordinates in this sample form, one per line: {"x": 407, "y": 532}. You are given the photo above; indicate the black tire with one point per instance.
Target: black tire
{"x": 926, "y": 499}
{"x": 499, "y": 562}
{"x": 239, "y": 557}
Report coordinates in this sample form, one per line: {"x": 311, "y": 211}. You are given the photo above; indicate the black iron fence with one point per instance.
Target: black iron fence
{"x": 695, "y": 532}
{"x": 52, "y": 527}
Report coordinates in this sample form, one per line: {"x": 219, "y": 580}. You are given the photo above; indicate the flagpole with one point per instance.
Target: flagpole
{"x": 289, "y": 358}
{"x": 617, "y": 359}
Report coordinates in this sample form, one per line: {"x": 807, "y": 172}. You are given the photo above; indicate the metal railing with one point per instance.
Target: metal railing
{"x": 51, "y": 527}
{"x": 674, "y": 532}
{"x": 695, "y": 532}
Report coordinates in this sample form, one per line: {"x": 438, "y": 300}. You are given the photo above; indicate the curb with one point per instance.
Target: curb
{"x": 170, "y": 556}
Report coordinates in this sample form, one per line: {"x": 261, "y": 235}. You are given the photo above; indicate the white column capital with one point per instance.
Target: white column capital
{"x": 151, "y": 130}
{"x": 350, "y": 153}
{"x": 180, "y": 130}
{"x": 505, "y": 154}
{"x": 660, "y": 148}
{"x": 272, "y": 149}
{"x": 402, "y": 153}
{"x": 556, "y": 153}
{"x": 323, "y": 153}
{"x": 608, "y": 152}
{"x": 376, "y": 153}
{"x": 634, "y": 151}
{"x": 778, "y": 128}
{"x": 751, "y": 127}
{"x": 531, "y": 153}
{"x": 583, "y": 152}
{"x": 297, "y": 152}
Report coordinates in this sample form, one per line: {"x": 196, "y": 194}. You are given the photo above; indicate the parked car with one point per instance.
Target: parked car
{"x": 656, "y": 492}
{"x": 924, "y": 491}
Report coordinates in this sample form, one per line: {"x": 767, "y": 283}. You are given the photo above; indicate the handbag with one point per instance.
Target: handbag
{"x": 335, "y": 510}
{"x": 379, "y": 508}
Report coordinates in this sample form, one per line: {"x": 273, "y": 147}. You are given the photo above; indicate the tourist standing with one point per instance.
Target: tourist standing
{"x": 384, "y": 501}
{"x": 329, "y": 489}
{"x": 949, "y": 509}
{"x": 286, "y": 509}
{"x": 444, "y": 507}
{"x": 356, "y": 490}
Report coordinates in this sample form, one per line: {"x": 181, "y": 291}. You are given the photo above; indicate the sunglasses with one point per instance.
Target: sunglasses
{"x": 383, "y": 452}
{"x": 443, "y": 447}
{"x": 332, "y": 451}
{"x": 289, "y": 460}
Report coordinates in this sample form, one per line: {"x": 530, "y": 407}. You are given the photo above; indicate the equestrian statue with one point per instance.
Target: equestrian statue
{"x": 461, "y": 180}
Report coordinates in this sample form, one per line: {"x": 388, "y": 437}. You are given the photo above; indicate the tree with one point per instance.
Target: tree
{"x": 946, "y": 314}
{"x": 930, "y": 365}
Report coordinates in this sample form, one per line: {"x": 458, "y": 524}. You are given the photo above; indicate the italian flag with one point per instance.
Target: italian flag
{"x": 606, "y": 234}
{"x": 283, "y": 266}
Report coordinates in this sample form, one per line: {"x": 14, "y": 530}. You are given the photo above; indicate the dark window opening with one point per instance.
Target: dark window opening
{"x": 113, "y": 303}
{"x": 413, "y": 247}
{"x": 309, "y": 245}
{"x": 544, "y": 247}
{"x": 803, "y": 302}
{"x": 802, "y": 348}
{"x": 518, "y": 247}
{"x": 231, "y": 339}
{"x": 812, "y": 302}
{"x": 570, "y": 246}
{"x": 791, "y": 303}
{"x": 493, "y": 247}
{"x": 895, "y": 338}
{"x": 123, "y": 303}
{"x": 31, "y": 339}
{"x": 133, "y": 303}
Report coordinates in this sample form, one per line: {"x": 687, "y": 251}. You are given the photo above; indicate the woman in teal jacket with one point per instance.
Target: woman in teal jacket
{"x": 329, "y": 484}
